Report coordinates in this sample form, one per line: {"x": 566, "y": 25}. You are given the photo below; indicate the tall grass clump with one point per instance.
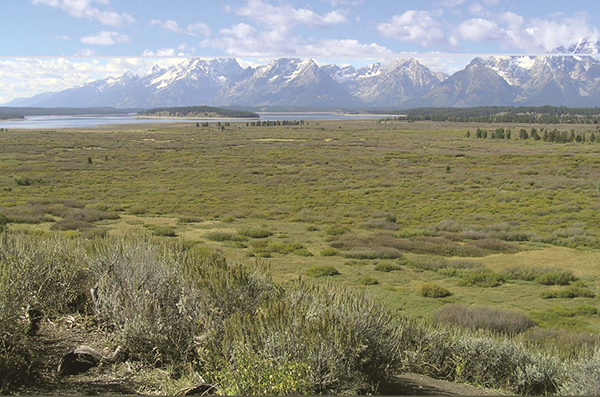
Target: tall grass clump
{"x": 502, "y": 322}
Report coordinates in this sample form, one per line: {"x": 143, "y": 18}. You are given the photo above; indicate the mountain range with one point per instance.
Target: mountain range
{"x": 559, "y": 79}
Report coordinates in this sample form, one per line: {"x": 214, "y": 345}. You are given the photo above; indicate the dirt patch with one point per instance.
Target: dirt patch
{"x": 419, "y": 385}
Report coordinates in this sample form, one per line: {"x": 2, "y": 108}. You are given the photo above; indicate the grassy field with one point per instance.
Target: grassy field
{"x": 352, "y": 195}
{"x": 464, "y": 245}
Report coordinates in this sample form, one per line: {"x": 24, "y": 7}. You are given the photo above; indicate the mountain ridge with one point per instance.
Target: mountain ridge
{"x": 551, "y": 79}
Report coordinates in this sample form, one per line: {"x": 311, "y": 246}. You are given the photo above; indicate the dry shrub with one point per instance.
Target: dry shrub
{"x": 492, "y": 244}
{"x": 377, "y": 253}
{"x": 496, "y": 320}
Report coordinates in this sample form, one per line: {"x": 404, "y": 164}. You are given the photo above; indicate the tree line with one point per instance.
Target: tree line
{"x": 544, "y": 134}
{"x": 195, "y": 111}
{"x": 504, "y": 114}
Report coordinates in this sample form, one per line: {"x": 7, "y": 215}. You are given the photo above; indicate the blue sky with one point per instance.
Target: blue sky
{"x": 49, "y": 35}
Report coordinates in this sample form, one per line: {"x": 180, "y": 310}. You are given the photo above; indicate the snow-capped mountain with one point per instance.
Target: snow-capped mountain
{"x": 285, "y": 82}
{"x": 194, "y": 81}
{"x": 511, "y": 80}
{"x": 571, "y": 80}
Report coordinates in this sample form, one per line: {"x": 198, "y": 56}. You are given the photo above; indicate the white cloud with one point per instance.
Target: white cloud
{"x": 341, "y": 48}
{"x": 86, "y": 52}
{"x": 163, "y": 52}
{"x": 336, "y": 3}
{"x": 245, "y": 39}
{"x": 105, "y": 38}
{"x": 271, "y": 16}
{"x": 416, "y": 27}
{"x": 191, "y": 30}
{"x": 452, "y": 3}
{"x": 544, "y": 35}
{"x": 479, "y": 29}
{"x": 535, "y": 35}
{"x": 169, "y": 25}
{"x": 29, "y": 76}
{"x": 199, "y": 28}
{"x": 85, "y": 9}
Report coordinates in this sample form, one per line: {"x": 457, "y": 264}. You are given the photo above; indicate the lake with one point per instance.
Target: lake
{"x": 53, "y": 122}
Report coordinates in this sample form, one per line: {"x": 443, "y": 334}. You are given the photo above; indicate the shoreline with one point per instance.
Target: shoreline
{"x": 196, "y": 118}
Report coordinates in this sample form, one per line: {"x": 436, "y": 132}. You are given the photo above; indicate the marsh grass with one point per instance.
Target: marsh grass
{"x": 499, "y": 321}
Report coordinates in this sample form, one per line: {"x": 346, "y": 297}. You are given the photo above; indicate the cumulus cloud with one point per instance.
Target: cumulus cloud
{"x": 336, "y": 3}
{"x": 105, "y": 38}
{"x": 245, "y": 39}
{"x": 452, "y": 3}
{"x": 479, "y": 29}
{"x": 341, "y": 48}
{"x": 544, "y": 35}
{"x": 21, "y": 78}
{"x": 415, "y": 27}
{"x": 269, "y": 15}
{"x": 191, "y": 30}
{"x": 535, "y": 35}
{"x": 163, "y": 52}
{"x": 85, "y": 9}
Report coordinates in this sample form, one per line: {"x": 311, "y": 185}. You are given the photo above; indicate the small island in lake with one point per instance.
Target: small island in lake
{"x": 197, "y": 112}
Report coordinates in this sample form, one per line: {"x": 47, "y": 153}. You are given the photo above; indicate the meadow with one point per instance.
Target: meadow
{"x": 497, "y": 238}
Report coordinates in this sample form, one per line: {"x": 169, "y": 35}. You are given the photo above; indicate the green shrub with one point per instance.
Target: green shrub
{"x": 356, "y": 263}
{"x": 164, "y": 231}
{"x": 249, "y": 374}
{"x": 548, "y": 295}
{"x": 339, "y": 341}
{"x": 433, "y": 290}
{"x": 137, "y": 210}
{"x": 586, "y": 310}
{"x": 368, "y": 280}
{"x": 500, "y": 321}
{"x": 321, "y": 271}
{"x": 224, "y": 236}
{"x": 312, "y": 228}
{"x": 256, "y": 233}
{"x": 189, "y": 219}
{"x": 563, "y": 277}
{"x": 303, "y": 252}
{"x": 387, "y": 267}
{"x": 337, "y": 230}
{"x": 485, "y": 279}
{"x": 329, "y": 252}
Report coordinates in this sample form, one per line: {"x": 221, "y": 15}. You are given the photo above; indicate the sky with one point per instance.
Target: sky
{"x": 50, "y": 45}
